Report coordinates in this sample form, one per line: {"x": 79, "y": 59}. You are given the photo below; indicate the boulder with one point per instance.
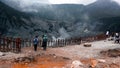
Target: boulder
{"x": 76, "y": 64}
{"x": 87, "y": 45}
{"x": 101, "y": 60}
{"x": 2, "y": 54}
{"x": 93, "y": 63}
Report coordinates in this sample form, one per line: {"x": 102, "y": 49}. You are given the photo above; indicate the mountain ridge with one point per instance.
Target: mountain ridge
{"x": 74, "y": 20}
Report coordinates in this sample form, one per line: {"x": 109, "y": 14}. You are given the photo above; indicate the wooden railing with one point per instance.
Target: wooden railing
{"x": 15, "y": 44}
{"x": 94, "y": 38}
{"x": 10, "y": 44}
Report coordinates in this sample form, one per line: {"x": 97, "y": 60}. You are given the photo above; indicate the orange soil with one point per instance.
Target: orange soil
{"x": 43, "y": 62}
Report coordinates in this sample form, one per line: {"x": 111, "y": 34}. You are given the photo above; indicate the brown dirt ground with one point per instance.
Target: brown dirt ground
{"x": 62, "y": 57}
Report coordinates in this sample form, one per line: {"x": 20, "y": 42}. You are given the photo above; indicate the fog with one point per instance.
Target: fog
{"x": 33, "y": 5}
{"x": 74, "y": 27}
{"x": 118, "y": 1}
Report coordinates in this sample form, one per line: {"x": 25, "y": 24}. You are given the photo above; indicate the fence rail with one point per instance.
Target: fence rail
{"x": 15, "y": 44}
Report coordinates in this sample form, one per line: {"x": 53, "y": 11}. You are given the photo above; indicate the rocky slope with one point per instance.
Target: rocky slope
{"x": 64, "y": 20}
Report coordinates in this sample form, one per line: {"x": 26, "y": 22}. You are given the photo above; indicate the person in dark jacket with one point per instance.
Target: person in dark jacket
{"x": 35, "y": 42}
{"x": 44, "y": 43}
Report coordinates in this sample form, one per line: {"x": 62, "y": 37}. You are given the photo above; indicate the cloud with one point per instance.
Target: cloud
{"x": 25, "y": 3}
{"x": 85, "y": 2}
{"x": 118, "y": 1}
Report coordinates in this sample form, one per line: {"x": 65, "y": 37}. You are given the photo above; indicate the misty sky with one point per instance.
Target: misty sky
{"x": 85, "y": 2}
{"x": 31, "y": 2}
{"x": 28, "y": 3}
{"x": 118, "y": 1}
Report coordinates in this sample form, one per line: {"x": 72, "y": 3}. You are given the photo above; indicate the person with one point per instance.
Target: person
{"x": 107, "y": 34}
{"x": 117, "y": 38}
{"x": 35, "y": 42}
{"x": 44, "y": 43}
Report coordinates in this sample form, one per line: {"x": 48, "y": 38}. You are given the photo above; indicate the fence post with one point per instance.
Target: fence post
{"x": 47, "y": 43}
{"x": 3, "y": 44}
{"x": 7, "y": 44}
{"x": 0, "y": 42}
{"x": 31, "y": 43}
{"x": 18, "y": 44}
{"x": 14, "y": 45}
{"x": 10, "y": 46}
{"x": 63, "y": 42}
{"x": 57, "y": 44}
{"x": 40, "y": 43}
{"x": 23, "y": 42}
{"x": 53, "y": 41}
{"x": 26, "y": 42}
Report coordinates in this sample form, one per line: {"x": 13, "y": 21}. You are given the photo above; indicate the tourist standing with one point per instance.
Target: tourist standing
{"x": 35, "y": 42}
{"x": 117, "y": 38}
{"x": 107, "y": 34}
{"x": 44, "y": 43}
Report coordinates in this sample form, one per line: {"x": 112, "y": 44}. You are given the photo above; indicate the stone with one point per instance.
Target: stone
{"x": 1, "y": 54}
{"x": 93, "y": 63}
{"x": 76, "y": 64}
{"x": 87, "y": 45}
{"x": 101, "y": 60}
{"x": 66, "y": 58}
{"x": 55, "y": 56}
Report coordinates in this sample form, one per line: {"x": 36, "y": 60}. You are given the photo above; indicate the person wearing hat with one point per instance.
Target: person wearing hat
{"x": 44, "y": 43}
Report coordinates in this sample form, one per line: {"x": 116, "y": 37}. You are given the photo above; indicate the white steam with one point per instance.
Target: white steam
{"x": 63, "y": 33}
{"x": 26, "y": 5}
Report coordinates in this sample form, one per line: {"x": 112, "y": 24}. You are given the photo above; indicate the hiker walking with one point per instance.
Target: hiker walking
{"x": 44, "y": 43}
{"x": 35, "y": 42}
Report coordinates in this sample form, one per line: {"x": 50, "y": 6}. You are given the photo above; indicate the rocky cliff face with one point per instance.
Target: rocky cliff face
{"x": 66, "y": 20}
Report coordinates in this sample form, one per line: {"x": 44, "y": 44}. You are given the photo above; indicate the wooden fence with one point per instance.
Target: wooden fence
{"x": 15, "y": 44}
{"x": 93, "y": 38}
{"x": 10, "y": 44}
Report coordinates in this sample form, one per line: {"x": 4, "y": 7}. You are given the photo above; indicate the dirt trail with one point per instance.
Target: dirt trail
{"x": 79, "y": 51}
{"x": 63, "y": 56}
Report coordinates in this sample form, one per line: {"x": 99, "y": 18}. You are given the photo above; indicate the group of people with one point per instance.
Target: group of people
{"x": 113, "y": 36}
{"x": 44, "y": 42}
